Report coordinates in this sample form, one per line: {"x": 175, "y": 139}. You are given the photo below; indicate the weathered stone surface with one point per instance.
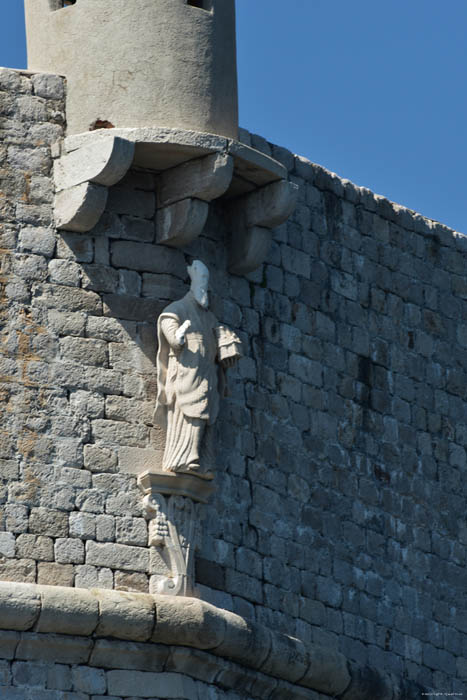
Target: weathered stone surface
{"x": 117, "y": 556}
{"x": 187, "y": 621}
{"x": 54, "y": 574}
{"x": 177, "y": 225}
{"x": 244, "y": 641}
{"x": 327, "y": 671}
{"x": 129, "y": 655}
{"x": 80, "y": 208}
{"x": 20, "y": 605}
{"x": 53, "y": 648}
{"x": 203, "y": 178}
{"x": 169, "y": 685}
{"x": 126, "y": 616}
{"x": 67, "y": 611}
{"x": 288, "y": 658}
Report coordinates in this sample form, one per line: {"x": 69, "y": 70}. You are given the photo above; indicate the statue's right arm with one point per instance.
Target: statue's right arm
{"x": 174, "y": 332}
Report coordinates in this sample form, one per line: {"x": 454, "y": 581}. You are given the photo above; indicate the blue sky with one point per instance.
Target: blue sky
{"x": 375, "y": 91}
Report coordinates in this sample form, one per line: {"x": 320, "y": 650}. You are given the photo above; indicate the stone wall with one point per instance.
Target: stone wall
{"x": 340, "y": 511}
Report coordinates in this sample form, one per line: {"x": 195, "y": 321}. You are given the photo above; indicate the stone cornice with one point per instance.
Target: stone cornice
{"x": 189, "y": 622}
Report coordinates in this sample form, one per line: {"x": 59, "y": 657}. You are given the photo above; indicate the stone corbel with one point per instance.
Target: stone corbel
{"x": 251, "y": 219}
{"x": 172, "y": 505}
{"x": 82, "y": 177}
{"x": 193, "y": 169}
{"x": 183, "y": 197}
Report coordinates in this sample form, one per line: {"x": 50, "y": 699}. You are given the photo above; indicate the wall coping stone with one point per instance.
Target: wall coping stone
{"x": 189, "y": 622}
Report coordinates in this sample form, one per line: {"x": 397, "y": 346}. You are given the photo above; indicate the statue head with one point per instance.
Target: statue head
{"x": 199, "y": 276}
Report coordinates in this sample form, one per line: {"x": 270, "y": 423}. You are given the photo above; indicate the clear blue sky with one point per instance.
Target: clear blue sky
{"x": 372, "y": 89}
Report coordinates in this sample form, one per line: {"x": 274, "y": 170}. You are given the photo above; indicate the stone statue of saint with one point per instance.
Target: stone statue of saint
{"x": 195, "y": 351}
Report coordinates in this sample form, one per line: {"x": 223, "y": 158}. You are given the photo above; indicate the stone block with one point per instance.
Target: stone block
{"x": 63, "y": 323}
{"x": 131, "y": 308}
{"x": 287, "y": 659}
{"x": 35, "y": 547}
{"x": 194, "y": 663}
{"x": 125, "y": 409}
{"x": 138, "y": 229}
{"x": 83, "y": 525}
{"x": 99, "y": 459}
{"x": 29, "y": 674}
{"x": 88, "y": 351}
{"x": 117, "y": 556}
{"x": 245, "y": 642}
{"x": 126, "y": 616}
{"x": 15, "y": 518}
{"x": 244, "y": 585}
{"x": 18, "y": 570}
{"x": 210, "y": 574}
{"x": 37, "y": 240}
{"x": 53, "y": 648}
{"x": 120, "y": 432}
{"x": 105, "y": 528}
{"x": 53, "y": 296}
{"x": 163, "y": 286}
{"x": 132, "y": 202}
{"x": 189, "y": 622}
{"x": 204, "y": 178}
{"x": 92, "y": 577}
{"x": 49, "y": 86}
{"x": 145, "y": 685}
{"x": 99, "y": 278}
{"x": 147, "y": 258}
{"x": 177, "y": 225}
{"x": 115, "y": 654}
{"x": 109, "y": 329}
{"x": 67, "y": 611}
{"x": 11, "y": 693}
{"x": 20, "y": 605}
{"x": 59, "y": 677}
{"x": 285, "y": 691}
{"x": 8, "y": 644}
{"x": 64, "y": 272}
{"x": 7, "y": 545}
{"x": 69, "y": 551}
{"x": 306, "y": 370}
{"x": 44, "y": 521}
{"x": 132, "y": 531}
{"x": 88, "y": 680}
{"x": 131, "y": 582}
{"x": 91, "y": 500}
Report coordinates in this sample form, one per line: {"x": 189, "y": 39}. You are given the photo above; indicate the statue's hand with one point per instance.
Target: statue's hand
{"x": 180, "y": 333}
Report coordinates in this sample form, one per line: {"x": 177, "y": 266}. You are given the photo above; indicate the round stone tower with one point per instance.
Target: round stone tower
{"x": 140, "y": 63}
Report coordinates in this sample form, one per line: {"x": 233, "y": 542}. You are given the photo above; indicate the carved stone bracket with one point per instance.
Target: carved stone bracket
{"x": 193, "y": 169}
{"x": 172, "y": 505}
{"x": 82, "y": 177}
{"x": 252, "y": 218}
{"x": 183, "y": 197}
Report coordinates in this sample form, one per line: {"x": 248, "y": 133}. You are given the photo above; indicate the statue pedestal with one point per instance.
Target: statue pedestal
{"x": 172, "y": 504}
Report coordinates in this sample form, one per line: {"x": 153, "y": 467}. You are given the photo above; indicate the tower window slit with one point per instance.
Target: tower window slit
{"x": 197, "y": 3}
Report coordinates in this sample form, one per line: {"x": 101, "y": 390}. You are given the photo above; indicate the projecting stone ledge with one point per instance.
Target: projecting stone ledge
{"x": 193, "y": 169}
{"x": 148, "y": 635}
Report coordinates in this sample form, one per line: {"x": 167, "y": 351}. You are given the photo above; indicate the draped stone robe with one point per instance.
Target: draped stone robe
{"x": 190, "y": 382}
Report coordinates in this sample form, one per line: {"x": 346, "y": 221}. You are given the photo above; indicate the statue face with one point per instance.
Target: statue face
{"x": 199, "y": 275}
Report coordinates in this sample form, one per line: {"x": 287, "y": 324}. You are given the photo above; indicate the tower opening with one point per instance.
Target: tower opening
{"x": 202, "y": 4}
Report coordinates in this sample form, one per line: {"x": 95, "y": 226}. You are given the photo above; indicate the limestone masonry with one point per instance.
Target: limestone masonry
{"x": 330, "y": 559}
